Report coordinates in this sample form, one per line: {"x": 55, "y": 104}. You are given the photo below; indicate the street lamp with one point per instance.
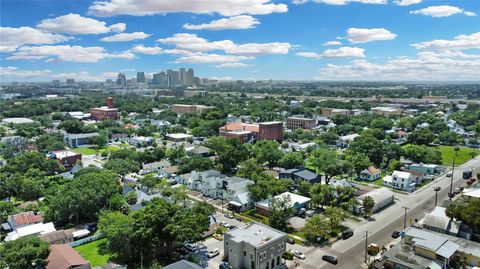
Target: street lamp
{"x": 436, "y": 189}
{"x": 405, "y": 217}
{"x": 366, "y": 246}
{"x": 450, "y": 194}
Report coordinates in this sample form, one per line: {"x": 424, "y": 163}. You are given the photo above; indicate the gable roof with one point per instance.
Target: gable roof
{"x": 63, "y": 256}
{"x": 25, "y": 218}
{"x": 183, "y": 264}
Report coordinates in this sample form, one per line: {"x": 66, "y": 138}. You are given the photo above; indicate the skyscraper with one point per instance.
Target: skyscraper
{"x": 70, "y": 82}
{"x": 121, "y": 80}
{"x": 174, "y": 77}
{"x": 182, "y": 75}
{"x": 141, "y": 77}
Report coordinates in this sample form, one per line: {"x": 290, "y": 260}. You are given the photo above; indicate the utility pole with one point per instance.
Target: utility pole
{"x": 366, "y": 246}
{"x": 450, "y": 194}
{"x": 405, "y": 217}
{"x": 436, "y": 189}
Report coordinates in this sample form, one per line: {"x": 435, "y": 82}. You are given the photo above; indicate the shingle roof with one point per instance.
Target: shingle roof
{"x": 63, "y": 256}
{"x": 26, "y": 218}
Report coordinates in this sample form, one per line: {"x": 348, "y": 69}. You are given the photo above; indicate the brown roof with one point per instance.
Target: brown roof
{"x": 415, "y": 173}
{"x": 63, "y": 256}
{"x": 25, "y": 218}
{"x": 57, "y": 235}
{"x": 233, "y": 126}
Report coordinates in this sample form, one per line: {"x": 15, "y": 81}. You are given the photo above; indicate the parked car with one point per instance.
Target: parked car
{"x": 228, "y": 216}
{"x": 232, "y": 227}
{"x": 301, "y": 212}
{"x": 467, "y": 174}
{"x": 299, "y": 254}
{"x": 395, "y": 234}
{"x": 449, "y": 174}
{"x": 224, "y": 265}
{"x": 219, "y": 237}
{"x": 330, "y": 259}
{"x": 214, "y": 252}
{"x": 224, "y": 224}
{"x": 192, "y": 247}
{"x": 347, "y": 234}
{"x": 290, "y": 241}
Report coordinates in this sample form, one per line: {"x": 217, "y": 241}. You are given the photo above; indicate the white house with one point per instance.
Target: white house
{"x": 344, "y": 141}
{"x": 400, "y": 180}
{"x": 370, "y": 174}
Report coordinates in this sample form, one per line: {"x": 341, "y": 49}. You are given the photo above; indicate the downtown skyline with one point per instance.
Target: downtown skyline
{"x": 399, "y": 40}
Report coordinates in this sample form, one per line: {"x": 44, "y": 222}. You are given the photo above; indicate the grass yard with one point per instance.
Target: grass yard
{"x": 93, "y": 253}
{"x": 93, "y": 151}
{"x": 252, "y": 213}
{"x": 463, "y": 155}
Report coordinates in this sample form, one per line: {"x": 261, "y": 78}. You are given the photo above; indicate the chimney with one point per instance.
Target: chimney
{"x": 110, "y": 102}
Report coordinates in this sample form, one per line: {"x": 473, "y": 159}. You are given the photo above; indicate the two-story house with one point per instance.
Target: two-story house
{"x": 401, "y": 181}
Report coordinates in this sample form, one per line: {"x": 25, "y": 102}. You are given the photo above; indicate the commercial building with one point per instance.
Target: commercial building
{"x": 247, "y": 131}
{"x": 6, "y": 121}
{"x": 381, "y": 196}
{"x": 254, "y": 246}
{"x": 105, "y": 112}
{"x": 386, "y": 111}
{"x": 141, "y": 77}
{"x": 121, "y": 80}
{"x": 66, "y": 158}
{"x": 294, "y": 123}
{"x": 429, "y": 169}
{"x": 178, "y": 108}
{"x": 272, "y": 130}
{"x": 77, "y": 140}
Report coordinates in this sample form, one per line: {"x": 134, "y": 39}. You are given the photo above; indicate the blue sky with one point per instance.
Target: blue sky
{"x": 411, "y": 40}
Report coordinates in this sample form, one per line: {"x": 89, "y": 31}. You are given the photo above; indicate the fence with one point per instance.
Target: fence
{"x": 86, "y": 240}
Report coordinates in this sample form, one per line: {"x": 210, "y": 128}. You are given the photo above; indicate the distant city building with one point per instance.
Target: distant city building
{"x": 178, "y": 108}
{"x": 189, "y": 77}
{"x": 260, "y": 131}
{"x": 294, "y": 123}
{"x": 70, "y": 82}
{"x": 141, "y": 77}
{"x": 56, "y": 83}
{"x": 387, "y": 111}
{"x": 121, "y": 80}
{"x": 182, "y": 76}
{"x": 104, "y": 113}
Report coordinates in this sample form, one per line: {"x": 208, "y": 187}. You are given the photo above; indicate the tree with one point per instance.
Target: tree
{"x": 335, "y": 217}
{"x": 381, "y": 123}
{"x": 118, "y": 229}
{"x": 50, "y": 142}
{"x": 197, "y": 163}
{"x": 249, "y": 168}
{"x": 291, "y": 160}
{"x": 422, "y": 154}
{"x": 229, "y": 150}
{"x": 118, "y": 203}
{"x": 122, "y": 166}
{"x": 421, "y": 137}
{"x": 329, "y": 138}
{"x": 321, "y": 194}
{"x": 267, "y": 186}
{"x": 29, "y": 160}
{"x": 99, "y": 141}
{"x": 368, "y": 204}
{"x": 72, "y": 126}
{"x": 392, "y": 152}
{"x": 316, "y": 228}
{"x": 29, "y": 130}
{"x": 280, "y": 211}
{"x": 359, "y": 161}
{"x": 175, "y": 154}
{"x": 28, "y": 252}
{"x": 131, "y": 198}
{"x": 149, "y": 181}
{"x": 369, "y": 146}
{"x": 327, "y": 162}
{"x": 448, "y": 138}
{"x": 467, "y": 212}
{"x": 267, "y": 151}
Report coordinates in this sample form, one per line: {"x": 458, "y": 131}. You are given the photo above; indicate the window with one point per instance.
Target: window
{"x": 273, "y": 263}
{"x": 244, "y": 253}
{"x": 278, "y": 260}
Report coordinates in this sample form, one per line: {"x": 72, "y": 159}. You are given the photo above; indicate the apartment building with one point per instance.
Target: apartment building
{"x": 254, "y": 246}
{"x": 294, "y": 123}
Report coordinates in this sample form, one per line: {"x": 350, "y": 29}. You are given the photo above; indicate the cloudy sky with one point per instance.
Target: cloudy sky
{"x": 412, "y": 40}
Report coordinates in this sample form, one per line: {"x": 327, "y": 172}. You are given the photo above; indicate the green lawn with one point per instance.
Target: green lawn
{"x": 252, "y": 213}
{"x": 93, "y": 151}
{"x": 93, "y": 253}
{"x": 463, "y": 155}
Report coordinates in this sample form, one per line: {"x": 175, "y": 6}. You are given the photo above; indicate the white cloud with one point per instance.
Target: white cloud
{"x": 201, "y": 58}
{"x": 125, "y": 37}
{"x": 85, "y": 76}
{"x": 76, "y": 24}
{"x": 459, "y": 42}
{"x": 332, "y": 43}
{"x": 425, "y": 66}
{"x": 344, "y": 52}
{"x": 221, "y": 78}
{"x": 12, "y": 38}
{"x": 345, "y": 2}
{"x": 233, "y": 65}
{"x": 11, "y": 72}
{"x": 66, "y": 53}
{"x": 234, "y": 23}
{"x": 146, "y": 50}
{"x": 407, "y": 2}
{"x": 191, "y": 42}
{"x": 441, "y": 11}
{"x": 151, "y": 7}
{"x": 299, "y": 2}
{"x": 359, "y": 35}
{"x": 309, "y": 55}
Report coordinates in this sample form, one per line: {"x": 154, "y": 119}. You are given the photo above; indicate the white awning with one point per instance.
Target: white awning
{"x": 447, "y": 249}
{"x": 235, "y": 203}
{"x": 81, "y": 233}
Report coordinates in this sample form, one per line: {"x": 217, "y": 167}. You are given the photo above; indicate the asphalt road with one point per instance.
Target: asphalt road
{"x": 351, "y": 251}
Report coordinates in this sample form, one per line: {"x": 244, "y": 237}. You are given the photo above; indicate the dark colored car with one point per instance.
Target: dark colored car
{"x": 290, "y": 241}
{"x": 395, "y": 234}
{"x": 330, "y": 259}
{"x": 347, "y": 234}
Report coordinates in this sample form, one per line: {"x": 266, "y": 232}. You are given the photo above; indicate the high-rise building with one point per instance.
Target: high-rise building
{"x": 121, "y": 80}
{"x": 182, "y": 75}
{"x": 70, "y": 82}
{"x": 56, "y": 83}
{"x": 141, "y": 77}
{"x": 174, "y": 77}
{"x": 189, "y": 77}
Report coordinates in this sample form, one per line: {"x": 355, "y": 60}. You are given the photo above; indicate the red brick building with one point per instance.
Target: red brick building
{"x": 246, "y": 131}
{"x": 106, "y": 112}
{"x": 67, "y": 158}
{"x": 272, "y": 130}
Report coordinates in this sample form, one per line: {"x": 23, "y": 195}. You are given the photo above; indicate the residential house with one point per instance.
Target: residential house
{"x": 235, "y": 191}
{"x": 344, "y": 141}
{"x": 429, "y": 169}
{"x": 38, "y": 228}
{"x": 23, "y": 219}
{"x": 198, "y": 151}
{"x": 400, "y": 180}
{"x": 296, "y": 202}
{"x": 416, "y": 176}
{"x": 141, "y": 141}
{"x": 439, "y": 222}
{"x": 58, "y": 237}
{"x": 370, "y": 174}
{"x": 209, "y": 182}
{"x": 254, "y": 246}
{"x": 296, "y": 174}
{"x": 63, "y": 256}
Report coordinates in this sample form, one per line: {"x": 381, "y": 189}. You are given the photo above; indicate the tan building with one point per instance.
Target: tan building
{"x": 387, "y": 111}
{"x": 294, "y": 123}
{"x": 178, "y": 108}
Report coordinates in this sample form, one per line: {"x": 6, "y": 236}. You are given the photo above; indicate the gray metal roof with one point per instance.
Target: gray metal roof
{"x": 255, "y": 234}
{"x": 183, "y": 264}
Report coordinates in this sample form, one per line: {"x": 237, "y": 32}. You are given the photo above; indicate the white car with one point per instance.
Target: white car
{"x": 224, "y": 224}
{"x": 214, "y": 252}
{"x": 191, "y": 247}
{"x": 299, "y": 254}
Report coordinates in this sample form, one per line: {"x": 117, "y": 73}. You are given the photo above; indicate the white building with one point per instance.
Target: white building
{"x": 344, "y": 141}
{"x": 401, "y": 181}
{"x": 382, "y": 197}
{"x": 39, "y": 228}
